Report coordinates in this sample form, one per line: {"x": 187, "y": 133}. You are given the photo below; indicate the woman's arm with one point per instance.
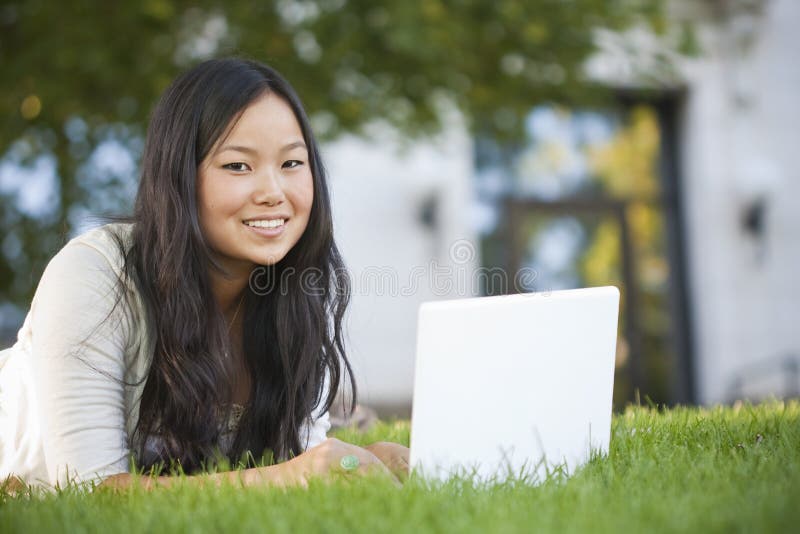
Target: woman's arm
{"x": 78, "y": 360}
{"x": 322, "y": 461}
{"x": 280, "y": 475}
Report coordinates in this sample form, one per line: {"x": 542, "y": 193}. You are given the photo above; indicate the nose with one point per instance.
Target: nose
{"x": 269, "y": 190}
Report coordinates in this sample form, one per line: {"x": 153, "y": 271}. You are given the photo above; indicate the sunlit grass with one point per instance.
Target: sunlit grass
{"x": 725, "y": 469}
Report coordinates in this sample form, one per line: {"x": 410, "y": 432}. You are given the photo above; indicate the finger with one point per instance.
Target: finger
{"x": 395, "y": 456}
{"x": 400, "y": 468}
{"x": 357, "y": 459}
{"x": 374, "y": 466}
{"x": 369, "y": 462}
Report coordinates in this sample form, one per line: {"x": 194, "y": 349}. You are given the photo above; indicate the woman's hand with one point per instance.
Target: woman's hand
{"x": 324, "y": 460}
{"x": 393, "y": 455}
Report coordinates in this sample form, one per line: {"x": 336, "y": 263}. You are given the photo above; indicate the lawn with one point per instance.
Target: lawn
{"x": 727, "y": 469}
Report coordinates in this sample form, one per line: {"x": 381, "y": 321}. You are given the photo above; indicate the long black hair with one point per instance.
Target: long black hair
{"x": 292, "y": 334}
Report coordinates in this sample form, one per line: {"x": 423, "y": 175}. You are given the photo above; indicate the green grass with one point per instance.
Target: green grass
{"x": 727, "y": 469}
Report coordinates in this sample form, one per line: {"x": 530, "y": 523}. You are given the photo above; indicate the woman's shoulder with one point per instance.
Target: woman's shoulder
{"x": 97, "y": 248}
{"x": 106, "y": 238}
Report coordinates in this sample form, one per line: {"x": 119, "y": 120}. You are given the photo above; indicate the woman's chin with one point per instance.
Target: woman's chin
{"x": 269, "y": 258}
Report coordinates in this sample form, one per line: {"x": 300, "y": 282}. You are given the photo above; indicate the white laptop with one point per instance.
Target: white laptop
{"x": 517, "y": 385}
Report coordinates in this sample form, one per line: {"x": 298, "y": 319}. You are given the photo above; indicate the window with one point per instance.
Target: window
{"x": 582, "y": 202}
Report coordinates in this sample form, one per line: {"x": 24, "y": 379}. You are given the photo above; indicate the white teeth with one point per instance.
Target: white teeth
{"x": 274, "y": 223}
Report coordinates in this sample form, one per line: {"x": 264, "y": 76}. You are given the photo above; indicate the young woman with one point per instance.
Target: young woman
{"x": 208, "y": 324}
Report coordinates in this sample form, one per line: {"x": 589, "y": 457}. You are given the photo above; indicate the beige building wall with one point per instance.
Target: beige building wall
{"x": 741, "y": 141}
{"x": 380, "y": 188}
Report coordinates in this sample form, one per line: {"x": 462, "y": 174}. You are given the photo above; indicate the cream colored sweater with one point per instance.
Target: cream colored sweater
{"x": 65, "y": 411}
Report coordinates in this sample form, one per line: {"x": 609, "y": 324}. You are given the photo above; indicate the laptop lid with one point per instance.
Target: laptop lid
{"x": 515, "y": 384}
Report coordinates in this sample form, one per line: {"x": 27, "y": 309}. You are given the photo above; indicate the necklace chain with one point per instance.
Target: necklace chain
{"x": 230, "y": 325}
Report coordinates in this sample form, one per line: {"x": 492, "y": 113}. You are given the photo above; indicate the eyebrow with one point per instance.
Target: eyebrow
{"x": 292, "y": 146}
{"x": 253, "y": 151}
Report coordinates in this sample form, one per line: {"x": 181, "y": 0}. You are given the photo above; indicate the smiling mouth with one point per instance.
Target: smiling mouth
{"x": 266, "y": 223}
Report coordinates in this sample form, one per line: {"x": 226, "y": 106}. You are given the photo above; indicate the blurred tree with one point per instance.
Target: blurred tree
{"x": 81, "y": 76}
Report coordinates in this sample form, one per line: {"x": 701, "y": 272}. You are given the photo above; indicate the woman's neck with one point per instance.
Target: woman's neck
{"x": 228, "y": 292}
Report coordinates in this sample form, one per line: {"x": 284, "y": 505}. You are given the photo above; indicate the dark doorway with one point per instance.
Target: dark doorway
{"x": 592, "y": 198}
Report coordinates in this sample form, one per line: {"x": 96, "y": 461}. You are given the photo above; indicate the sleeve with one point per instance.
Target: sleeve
{"x": 78, "y": 353}
{"x": 319, "y": 422}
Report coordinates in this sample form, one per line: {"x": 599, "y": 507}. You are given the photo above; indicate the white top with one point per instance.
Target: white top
{"x": 66, "y": 415}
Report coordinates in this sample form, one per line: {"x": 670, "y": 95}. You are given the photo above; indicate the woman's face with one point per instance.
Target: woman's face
{"x": 255, "y": 188}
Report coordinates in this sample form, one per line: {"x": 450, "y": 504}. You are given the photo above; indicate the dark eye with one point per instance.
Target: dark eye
{"x": 292, "y": 163}
{"x": 237, "y": 166}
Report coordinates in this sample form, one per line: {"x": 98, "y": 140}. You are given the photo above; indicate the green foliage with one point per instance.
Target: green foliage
{"x": 78, "y": 73}
{"x": 685, "y": 469}
{"x": 356, "y": 59}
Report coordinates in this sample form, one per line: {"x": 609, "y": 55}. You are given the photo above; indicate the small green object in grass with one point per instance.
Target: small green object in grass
{"x": 349, "y": 462}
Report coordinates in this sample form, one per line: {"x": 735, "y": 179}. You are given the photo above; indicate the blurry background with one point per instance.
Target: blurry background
{"x": 648, "y": 144}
